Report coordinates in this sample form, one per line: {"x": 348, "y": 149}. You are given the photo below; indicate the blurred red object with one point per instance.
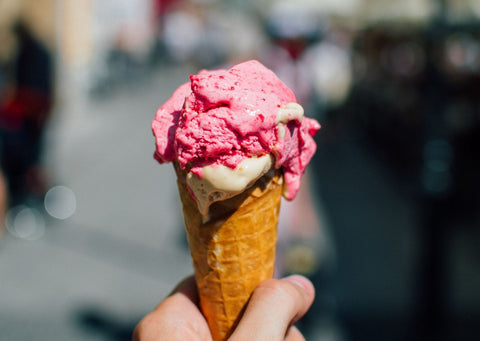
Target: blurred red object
{"x": 25, "y": 105}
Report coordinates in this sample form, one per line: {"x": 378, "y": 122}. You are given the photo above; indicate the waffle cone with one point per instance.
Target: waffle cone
{"x": 234, "y": 250}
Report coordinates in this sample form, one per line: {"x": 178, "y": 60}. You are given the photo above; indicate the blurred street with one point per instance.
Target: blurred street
{"x": 94, "y": 275}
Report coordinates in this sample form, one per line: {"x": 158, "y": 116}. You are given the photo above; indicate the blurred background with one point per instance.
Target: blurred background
{"x": 386, "y": 223}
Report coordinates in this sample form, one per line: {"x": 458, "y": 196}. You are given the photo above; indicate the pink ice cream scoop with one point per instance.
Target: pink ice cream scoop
{"x": 224, "y": 117}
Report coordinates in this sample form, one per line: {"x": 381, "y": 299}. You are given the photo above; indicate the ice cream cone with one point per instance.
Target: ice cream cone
{"x": 226, "y": 129}
{"x": 234, "y": 250}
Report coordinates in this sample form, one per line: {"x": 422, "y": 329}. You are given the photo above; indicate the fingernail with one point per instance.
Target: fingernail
{"x": 301, "y": 281}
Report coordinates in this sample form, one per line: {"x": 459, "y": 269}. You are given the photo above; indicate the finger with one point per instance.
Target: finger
{"x": 175, "y": 318}
{"x": 307, "y": 290}
{"x": 188, "y": 288}
{"x": 274, "y": 306}
{"x": 293, "y": 334}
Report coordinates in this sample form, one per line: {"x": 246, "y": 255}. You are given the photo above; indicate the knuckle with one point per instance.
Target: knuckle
{"x": 278, "y": 290}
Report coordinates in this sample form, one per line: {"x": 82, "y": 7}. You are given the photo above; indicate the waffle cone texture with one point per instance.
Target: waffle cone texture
{"x": 234, "y": 250}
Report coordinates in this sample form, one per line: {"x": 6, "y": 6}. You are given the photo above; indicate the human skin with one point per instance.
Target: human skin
{"x": 275, "y": 305}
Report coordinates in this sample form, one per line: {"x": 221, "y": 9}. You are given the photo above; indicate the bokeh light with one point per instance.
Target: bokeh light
{"x": 60, "y": 202}
{"x": 25, "y": 222}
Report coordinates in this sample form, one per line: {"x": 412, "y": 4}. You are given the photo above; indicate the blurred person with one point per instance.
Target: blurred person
{"x": 273, "y": 308}
{"x": 160, "y": 11}
{"x": 24, "y": 112}
{"x": 161, "y": 8}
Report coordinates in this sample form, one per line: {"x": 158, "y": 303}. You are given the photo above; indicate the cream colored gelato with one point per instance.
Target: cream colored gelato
{"x": 219, "y": 182}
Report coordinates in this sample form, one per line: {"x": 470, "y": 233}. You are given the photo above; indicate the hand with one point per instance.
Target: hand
{"x": 274, "y": 307}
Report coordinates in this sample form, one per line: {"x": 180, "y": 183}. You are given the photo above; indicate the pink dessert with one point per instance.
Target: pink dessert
{"x": 224, "y": 117}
